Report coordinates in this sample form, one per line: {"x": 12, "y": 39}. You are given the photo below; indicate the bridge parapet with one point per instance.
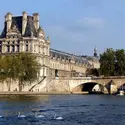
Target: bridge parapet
{"x": 73, "y": 78}
{"x": 108, "y": 77}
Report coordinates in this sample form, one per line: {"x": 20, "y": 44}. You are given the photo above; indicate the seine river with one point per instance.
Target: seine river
{"x": 74, "y": 109}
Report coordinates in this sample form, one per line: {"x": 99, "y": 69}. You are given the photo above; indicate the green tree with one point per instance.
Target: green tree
{"x": 27, "y": 68}
{"x": 22, "y": 67}
{"x": 2, "y": 72}
{"x": 6, "y": 71}
{"x": 107, "y": 63}
{"x": 93, "y": 72}
{"x": 120, "y": 62}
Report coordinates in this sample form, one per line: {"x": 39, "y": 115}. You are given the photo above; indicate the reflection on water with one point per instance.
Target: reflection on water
{"x": 75, "y": 110}
{"x": 24, "y": 98}
{"x": 14, "y": 104}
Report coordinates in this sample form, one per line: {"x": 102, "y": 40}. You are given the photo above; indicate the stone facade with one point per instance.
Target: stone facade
{"x": 24, "y": 34}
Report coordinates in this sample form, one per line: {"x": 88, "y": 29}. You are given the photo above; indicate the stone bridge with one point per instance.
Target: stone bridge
{"x": 89, "y": 84}
{"x": 75, "y": 85}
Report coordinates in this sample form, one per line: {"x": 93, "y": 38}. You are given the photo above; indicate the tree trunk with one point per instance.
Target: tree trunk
{"x": 20, "y": 85}
{"x": 8, "y": 84}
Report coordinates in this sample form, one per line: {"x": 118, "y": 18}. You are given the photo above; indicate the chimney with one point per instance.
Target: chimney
{"x": 36, "y": 20}
{"x": 8, "y": 19}
{"x": 24, "y": 22}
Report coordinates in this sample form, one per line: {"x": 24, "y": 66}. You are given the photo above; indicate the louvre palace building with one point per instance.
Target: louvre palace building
{"x": 24, "y": 34}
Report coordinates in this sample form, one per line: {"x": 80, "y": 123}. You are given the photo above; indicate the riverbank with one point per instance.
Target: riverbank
{"x": 39, "y": 93}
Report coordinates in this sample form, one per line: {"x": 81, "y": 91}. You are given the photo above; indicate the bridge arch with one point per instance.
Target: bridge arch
{"x": 90, "y": 87}
{"x": 121, "y": 87}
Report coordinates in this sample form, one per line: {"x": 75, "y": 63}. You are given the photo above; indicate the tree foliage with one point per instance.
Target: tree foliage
{"x": 22, "y": 67}
{"x": 112, "y": 63}
{"x": 92, "y": 72}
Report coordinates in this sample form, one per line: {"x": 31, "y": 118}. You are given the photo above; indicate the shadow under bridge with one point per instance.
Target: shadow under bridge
{"x": 91, "y": 87}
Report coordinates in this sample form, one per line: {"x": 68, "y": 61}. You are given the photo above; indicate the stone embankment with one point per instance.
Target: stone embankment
{"x": 38, "y": 93}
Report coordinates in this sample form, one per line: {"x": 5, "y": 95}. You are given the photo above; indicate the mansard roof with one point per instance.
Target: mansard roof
{"x": 67, "y": 56}
{"x": 17, "y": 21}
{"x": 91, "y": 58}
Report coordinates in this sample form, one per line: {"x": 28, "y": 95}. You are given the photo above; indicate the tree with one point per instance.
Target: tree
{"x": 2, "y": 71}
{"x": 120, "y": 62}
{"x": 92, "y": 72}
{"x": 22, "y": 67}
{"x": 107, "y": 62}
{"x": 6, "y": 70}
{"x": 27, "y": 68}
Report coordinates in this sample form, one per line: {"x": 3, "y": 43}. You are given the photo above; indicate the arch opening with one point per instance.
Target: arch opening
{"x": 90, "y": 87}
{"x": 122, "y": 87}
{"x": 56, "y": 73}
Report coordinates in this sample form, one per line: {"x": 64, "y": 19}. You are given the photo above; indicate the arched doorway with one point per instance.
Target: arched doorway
{"x": 56, "y": 73}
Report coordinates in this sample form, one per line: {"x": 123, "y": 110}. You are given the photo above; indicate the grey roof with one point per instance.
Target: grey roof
{"x": 30, "y": 28}
{"x": 91, "y": 58}
{"x": 68, "y": 56}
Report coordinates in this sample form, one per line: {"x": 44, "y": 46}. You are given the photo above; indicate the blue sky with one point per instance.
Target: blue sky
{"x": 76, "y": 26}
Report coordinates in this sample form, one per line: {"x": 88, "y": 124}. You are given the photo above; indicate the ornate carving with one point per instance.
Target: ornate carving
{"x": 14, "y": 27}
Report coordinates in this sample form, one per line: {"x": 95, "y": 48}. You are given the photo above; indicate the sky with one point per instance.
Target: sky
{"x": 75, "y": 26}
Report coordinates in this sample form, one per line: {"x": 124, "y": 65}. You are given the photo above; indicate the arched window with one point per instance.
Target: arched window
{"x": 26, "y": 46}
{"x": 13, "y": 48}
{"x": 13, "y": 42}
{"x": 18, "y": 42}
{"x": 18, "y": 48}
{"x": 56, "y": 73}
{"x": 8, "y": 48}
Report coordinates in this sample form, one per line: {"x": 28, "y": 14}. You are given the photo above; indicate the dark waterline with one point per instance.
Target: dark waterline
{"x": 75, "y": 110}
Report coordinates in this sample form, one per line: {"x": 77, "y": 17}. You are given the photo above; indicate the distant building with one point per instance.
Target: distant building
{"x": 24, "y": 34}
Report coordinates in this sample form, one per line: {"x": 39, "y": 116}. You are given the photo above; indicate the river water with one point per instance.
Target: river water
{"x": 74, "y": 109}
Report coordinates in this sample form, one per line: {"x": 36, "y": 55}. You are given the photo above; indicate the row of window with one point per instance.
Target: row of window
{"x": 17, "y": 48}
{"x": 13, "y": 36}
{"x": 13, "y": 42}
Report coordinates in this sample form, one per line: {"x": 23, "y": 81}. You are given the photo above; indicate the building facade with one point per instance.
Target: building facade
{"x": 24, "y": 34}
